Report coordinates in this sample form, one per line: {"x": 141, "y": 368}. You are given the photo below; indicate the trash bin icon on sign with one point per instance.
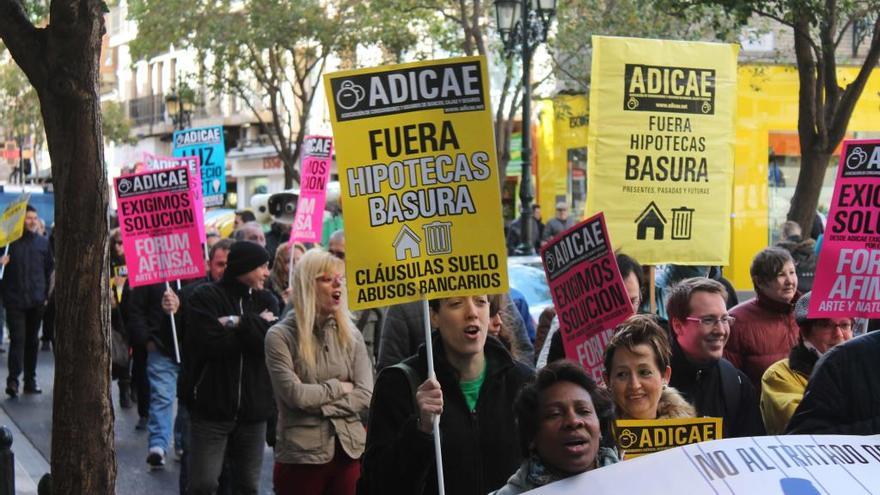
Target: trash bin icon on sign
{"x": 682, "y": 223}
{"x": 438, "y": 238}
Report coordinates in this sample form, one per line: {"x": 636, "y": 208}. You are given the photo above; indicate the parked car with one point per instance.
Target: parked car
{"x": 526, "y": 274}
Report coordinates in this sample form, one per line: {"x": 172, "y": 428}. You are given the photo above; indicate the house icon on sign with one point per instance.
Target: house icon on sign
{"x": 406, "y": 241}
{"x": 650, "y": 218}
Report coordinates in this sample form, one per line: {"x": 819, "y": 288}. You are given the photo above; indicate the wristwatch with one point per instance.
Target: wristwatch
{"x": 232, "y": 322}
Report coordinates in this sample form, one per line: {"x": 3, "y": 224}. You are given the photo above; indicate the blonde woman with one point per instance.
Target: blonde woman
{"x": 322, "y": 378}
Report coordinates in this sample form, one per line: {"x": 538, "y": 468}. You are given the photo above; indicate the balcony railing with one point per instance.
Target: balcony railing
{"x": 147, "y": 110}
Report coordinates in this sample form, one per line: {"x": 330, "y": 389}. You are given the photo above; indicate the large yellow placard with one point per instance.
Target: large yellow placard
{"x": 661, "y": 147}
{"x": 415, "y": 150}
{"x": 12, "y": 221}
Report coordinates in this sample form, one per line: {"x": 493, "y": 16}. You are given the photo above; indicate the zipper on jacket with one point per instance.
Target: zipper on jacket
{"x": 240, "y": 363}
{"x": 198, "y": 383}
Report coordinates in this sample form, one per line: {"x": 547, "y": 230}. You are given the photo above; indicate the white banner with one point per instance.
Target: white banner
{"x": 781, "y": 465}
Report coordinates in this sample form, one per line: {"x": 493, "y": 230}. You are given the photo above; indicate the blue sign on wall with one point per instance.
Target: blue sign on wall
{"x": 206, "y": 143}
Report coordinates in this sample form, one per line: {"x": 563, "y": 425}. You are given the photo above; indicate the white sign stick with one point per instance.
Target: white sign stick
{"x": 174, "y": 327}
{"x": 429, "y": 346}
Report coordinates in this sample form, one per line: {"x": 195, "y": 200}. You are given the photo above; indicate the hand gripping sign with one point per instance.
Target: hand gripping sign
{"x": 419, "y": 181}
{"x": 419, "y": 186}
{"x": 587, "y": 291}
{"x": 309, "y": 219}
{"x": 160, "y": 234}
{"x": 208, "y": 144}
{"x": 847, "y": 282}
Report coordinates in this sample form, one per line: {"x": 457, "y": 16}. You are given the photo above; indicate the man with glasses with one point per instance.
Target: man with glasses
{"x": 784, "y": 382}
{"x": 700, "y": 329}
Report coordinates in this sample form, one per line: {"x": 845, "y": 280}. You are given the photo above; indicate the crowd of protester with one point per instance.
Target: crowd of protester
{"x": 267, "y": 351}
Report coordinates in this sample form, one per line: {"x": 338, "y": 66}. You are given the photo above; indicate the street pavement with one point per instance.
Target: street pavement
{"x": 32, "y": 417}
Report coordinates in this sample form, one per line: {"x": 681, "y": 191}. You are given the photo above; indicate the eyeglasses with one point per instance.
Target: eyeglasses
{"x": 829, "y": 325}
{"x": 339, "y": 279}
{"x": 711, "y": 321}
{"x": 338, "y": 254}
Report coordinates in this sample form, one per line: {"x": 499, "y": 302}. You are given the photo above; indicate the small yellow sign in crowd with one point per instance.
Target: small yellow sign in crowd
{"x": 637, "y": 437}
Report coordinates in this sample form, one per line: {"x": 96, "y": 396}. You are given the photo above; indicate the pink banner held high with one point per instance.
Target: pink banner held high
{"x": 159, "y": 226}
{"x": 847, "y": 281}
{"x": 309, "y": 219}
{"x": 159, "y": 162}
{"x": 587, "y": 291}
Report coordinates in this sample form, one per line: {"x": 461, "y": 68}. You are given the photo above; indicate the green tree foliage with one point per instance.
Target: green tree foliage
{"x": 825, "y": 105}
{"x": 117, "y": 127}
{"x": 579, "y": 20}
{"x": 20, "y": 108}
{"x": 269, "y": 53}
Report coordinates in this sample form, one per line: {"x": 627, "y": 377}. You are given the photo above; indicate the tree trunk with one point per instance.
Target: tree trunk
{"x": 61, "y": 62}
{"x": 806, "y": 194}
{"x": 83, "y": 452}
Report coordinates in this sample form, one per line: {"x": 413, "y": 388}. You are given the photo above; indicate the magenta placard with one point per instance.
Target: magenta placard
{"x": 158, "y": 222}
{"x": 587, "y": 291}
{"x": 315, "y": 172}
{"x": 847, "y": 281}
{"x": 159, "y": 162}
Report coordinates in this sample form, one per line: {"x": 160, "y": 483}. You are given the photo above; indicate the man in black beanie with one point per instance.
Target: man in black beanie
{"x": 231, "y": 396}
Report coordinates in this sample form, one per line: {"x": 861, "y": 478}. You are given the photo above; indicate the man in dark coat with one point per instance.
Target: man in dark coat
{"x": 26, "y": 287}
{"x": 230, "y": 398}
{"x": 700, "y": 329}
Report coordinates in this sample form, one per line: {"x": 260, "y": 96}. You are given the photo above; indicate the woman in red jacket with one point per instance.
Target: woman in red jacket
{"x": 765, "y": 328}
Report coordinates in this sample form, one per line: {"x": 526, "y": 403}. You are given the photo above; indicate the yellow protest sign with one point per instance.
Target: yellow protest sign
{"x": 12, "y": 221}
{"x": 415, "y": 150}
{"x": 638, "y": 437}
{"x": 661, "y": 147}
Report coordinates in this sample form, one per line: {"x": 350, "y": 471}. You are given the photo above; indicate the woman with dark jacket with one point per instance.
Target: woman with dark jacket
{"x": 561, "y": 419}
{"x": 473, "y": 393}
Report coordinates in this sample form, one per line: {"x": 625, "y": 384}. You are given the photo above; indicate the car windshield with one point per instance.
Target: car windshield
{"x": 531, "y": 282}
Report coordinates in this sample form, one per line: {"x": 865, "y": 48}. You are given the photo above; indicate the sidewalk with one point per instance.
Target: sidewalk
{"x": 30, "y": 465}
{"x": 30, "y": 419}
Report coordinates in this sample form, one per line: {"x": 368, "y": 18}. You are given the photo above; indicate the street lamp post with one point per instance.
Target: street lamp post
{"x": 523, "y": 25}
{"x": 179, "y": 108}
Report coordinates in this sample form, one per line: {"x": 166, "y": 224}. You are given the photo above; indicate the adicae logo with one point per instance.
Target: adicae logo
{"x": 856, "y": 158}
{"x": 124, "y": 186}
{"x": 349, "y": 95}
{"x": 627, "y": 439}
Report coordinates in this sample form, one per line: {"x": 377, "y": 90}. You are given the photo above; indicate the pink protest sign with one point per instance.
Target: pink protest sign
{"x": 847, "y": 281}
{"x": 159, "y": 162}
{"x": 309, "y": 218}
{"x": 587, "y": 291}
{"x": 157, "y": 219}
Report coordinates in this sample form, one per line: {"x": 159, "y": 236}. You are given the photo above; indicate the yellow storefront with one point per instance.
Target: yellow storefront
{"x": 766, "y": 134}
